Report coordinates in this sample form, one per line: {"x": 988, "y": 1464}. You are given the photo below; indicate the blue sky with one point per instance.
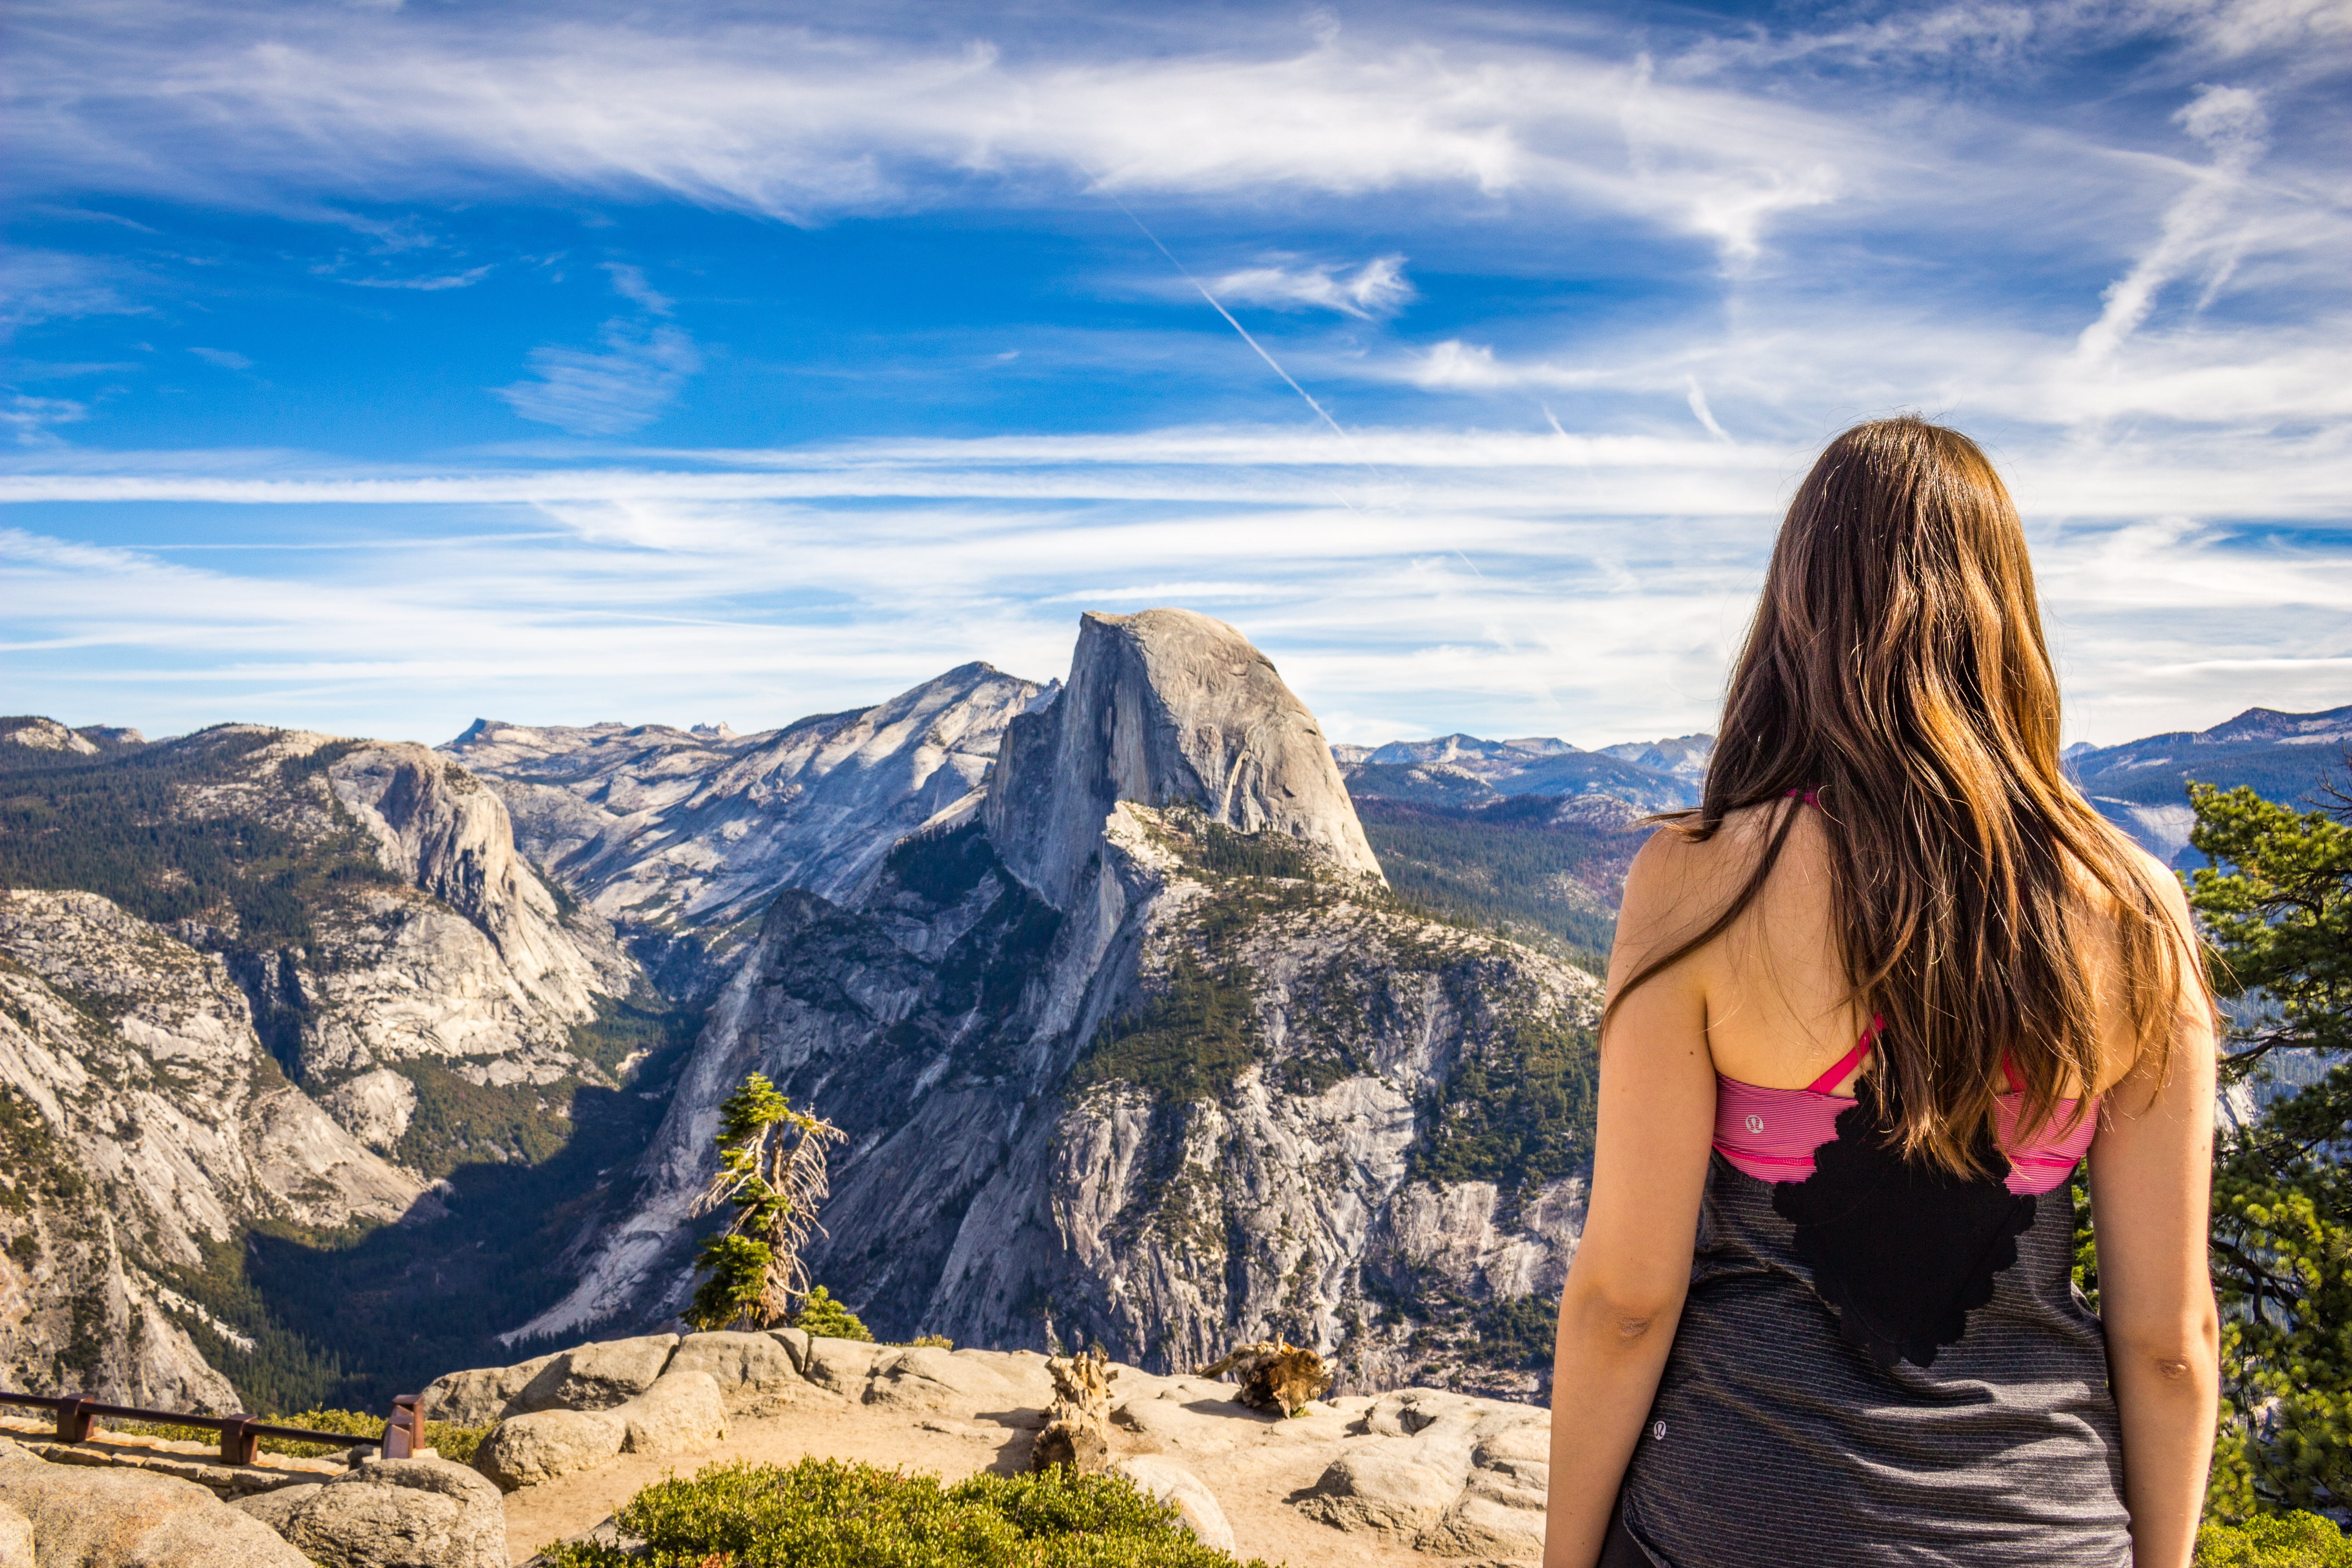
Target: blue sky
{"x": 375, "y": 366}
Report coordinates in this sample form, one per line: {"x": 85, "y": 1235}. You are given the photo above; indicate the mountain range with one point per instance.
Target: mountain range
{"x": 1155, "y": 1020}
{"x": 2142, "y": 785}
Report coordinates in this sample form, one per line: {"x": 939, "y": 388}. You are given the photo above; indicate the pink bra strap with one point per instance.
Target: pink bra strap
{"x": 1829, "y": 1080}
{"x": 2009, "y": 1070}
{"x": 1812, "y": 797}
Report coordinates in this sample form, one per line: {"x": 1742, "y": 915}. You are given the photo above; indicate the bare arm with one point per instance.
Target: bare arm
{"x": 2151, "y": 1193}
{"x": 1624, "y": 1290}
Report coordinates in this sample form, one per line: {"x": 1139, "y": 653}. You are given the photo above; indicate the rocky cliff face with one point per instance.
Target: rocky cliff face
{"x": 1162, "y": 708}
{"x": 686, "y": 833}
{"x": 252, "y": 977}
{"x": 1148, "y": 1053}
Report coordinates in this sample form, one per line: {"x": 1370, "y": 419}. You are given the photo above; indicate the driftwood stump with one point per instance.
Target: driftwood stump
{"x": 1077, "y": 1423}
{"x": 1275, "y": 1375}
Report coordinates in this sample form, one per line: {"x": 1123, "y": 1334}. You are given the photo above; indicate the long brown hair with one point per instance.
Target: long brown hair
{"x": 1897, "y": 664}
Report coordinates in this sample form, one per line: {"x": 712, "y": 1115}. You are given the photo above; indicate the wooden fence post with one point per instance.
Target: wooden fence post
{"x": 238, "y": 1445}
{"x": 405, "y": 1433}
{"x": 74, "y": 1419}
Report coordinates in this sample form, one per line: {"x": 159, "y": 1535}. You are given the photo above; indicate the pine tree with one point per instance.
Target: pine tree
{"x": 828, "y": 1319}
{"x": 771, "y": 1167}
{"x": 2277, "y": 904}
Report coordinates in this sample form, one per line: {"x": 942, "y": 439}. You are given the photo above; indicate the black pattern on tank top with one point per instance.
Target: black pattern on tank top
{"x": 1900, "y": 1250}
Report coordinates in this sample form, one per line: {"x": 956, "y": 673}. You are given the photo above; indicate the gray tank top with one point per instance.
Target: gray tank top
{"x": 1794, "y": 1425}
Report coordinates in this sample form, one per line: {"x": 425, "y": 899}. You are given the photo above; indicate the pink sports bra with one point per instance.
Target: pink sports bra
{"x": 1771, "y": 1133}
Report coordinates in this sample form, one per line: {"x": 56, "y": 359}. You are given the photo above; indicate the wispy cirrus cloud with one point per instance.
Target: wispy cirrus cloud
{"x": 1651, "y": 273}
{"x": 800, "y": 122}
{"x": 1494, "y": 580}
{"x": 30, "y": 421}
{"x": 427, "y": 283}
{"x": 2229, "y": 122}
{"x": 1376, "y": 287}
{"x": 624, "y": 387}
{"x": 39, "y": 285}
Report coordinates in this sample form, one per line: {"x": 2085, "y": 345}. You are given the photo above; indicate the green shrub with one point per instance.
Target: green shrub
{"x": 821, "y": 1315}
{"x": 2275, "y": 1541}
{"x": 827, "y": 1513}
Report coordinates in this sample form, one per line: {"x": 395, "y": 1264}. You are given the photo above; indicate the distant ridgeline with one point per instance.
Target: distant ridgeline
{"x": 1155, "y": 1020}
{"x": 1530, "y": 835}
{"x": 2142, "y": 786}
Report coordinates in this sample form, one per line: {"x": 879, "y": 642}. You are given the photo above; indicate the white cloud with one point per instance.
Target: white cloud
{"x": 2229, "y": 122}
{"x": 433, "y": 283}
{"x": 624, "y": 388}
{"x": 29, "y": 419}
{"x": 226, "y": 359}
{"x": 274, "y": 108}
{"x": 1378, "y": 288}
{"x": 1697, "y": 398}
{"x": 1504, "y": 582}
{"x": 1793, "y": 364}
{"x": 39, "y": 285}
{"x": 629, "y": 282}
{"x": 2184, "y": 459}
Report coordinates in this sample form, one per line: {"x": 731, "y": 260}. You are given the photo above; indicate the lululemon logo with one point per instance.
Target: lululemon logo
{"x": 1754, "y": 1122}
{"x": 1658, "y": 1432}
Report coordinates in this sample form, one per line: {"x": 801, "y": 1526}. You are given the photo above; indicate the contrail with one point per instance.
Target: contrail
{"x": 1275, "y": 365}
{"x": 1271, "y": 363}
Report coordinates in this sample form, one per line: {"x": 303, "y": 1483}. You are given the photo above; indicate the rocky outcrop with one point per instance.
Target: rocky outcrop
{"x": 653, "y": 1394}
{"x": 1167, "y": 1076}
{"x": 689, "y": 832}
{"x": 1448, "y": 1476}
{"x": 130, "y": 1518}
{"x": 1165, "y": 708}
{"x": 678, "y": 1411}
{"x": 47, "y": 735}
{"x": 1455, "y": 1477}
{"x": 756, "y": 1374}
{"x": 450, "y": 836}
{"x": 528, "y": 1450}
{"x": 1167, "y": 1482}
{"x": 392, "y": 1513}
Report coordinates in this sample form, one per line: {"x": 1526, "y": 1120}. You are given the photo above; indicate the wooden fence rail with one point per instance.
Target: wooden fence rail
{"x": 240, "y": 1435}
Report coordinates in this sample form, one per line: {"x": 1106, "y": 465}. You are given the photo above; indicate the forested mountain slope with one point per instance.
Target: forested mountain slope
{"x": 2142, "y": 785}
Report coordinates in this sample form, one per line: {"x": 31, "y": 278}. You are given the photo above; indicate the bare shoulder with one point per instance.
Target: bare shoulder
{"x": 1678, "y": 883}
{"x": 1674, "y": 856}
{"x": 2162, "y": 883}
{"x": 2165, "y": 883}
